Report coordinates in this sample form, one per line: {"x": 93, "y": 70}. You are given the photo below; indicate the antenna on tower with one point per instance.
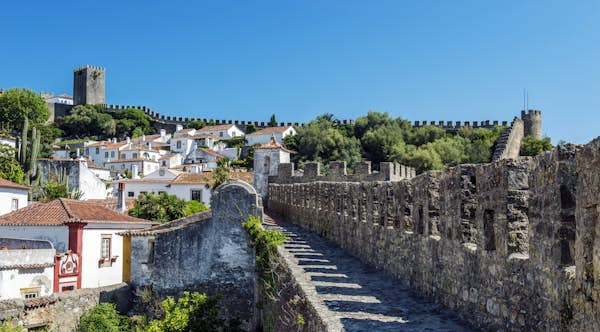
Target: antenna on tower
{"x": 524, "y": 99}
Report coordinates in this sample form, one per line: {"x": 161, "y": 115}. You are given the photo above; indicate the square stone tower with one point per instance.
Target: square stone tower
{"x": 88, "y": 85}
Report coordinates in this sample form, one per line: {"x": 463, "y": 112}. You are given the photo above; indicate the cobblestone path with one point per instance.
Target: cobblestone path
{"x": 351, "y": 296}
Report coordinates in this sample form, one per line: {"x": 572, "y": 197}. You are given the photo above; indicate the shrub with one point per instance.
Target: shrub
{"x": 192, "y": 312}
{"x": 103, "y": 317}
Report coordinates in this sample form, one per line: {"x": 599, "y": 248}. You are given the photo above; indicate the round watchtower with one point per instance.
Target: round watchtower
{"x": 532, "y": 121}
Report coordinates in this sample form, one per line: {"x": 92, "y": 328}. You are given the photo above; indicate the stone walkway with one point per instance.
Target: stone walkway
{"x": 351, "y": 296}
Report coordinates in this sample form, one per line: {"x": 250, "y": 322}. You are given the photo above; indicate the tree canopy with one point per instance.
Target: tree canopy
{"x": 129, "y": 119}
{"x": 378, "y": 137}
{"x": 163, "y": 207}
{"x": 87, "y": 121}
{"x": 10, "y": 168}
{"x": 17, "y": 104}
{"x": 532, "y": 147}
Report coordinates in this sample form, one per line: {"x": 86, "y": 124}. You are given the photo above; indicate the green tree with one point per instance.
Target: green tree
{"x": 10, "y": 168}
{"x": 321, "y": 141}
{"x": 197, "y": 124}
{"x": 17, "y": 104}
{"x": 220, "y": 174}
{"x": 86, "y": 121}
{"x": 272, "y": 121}
{"x": 450, "y": 149}
{"x": 158, "y": 207}
{"x": 137, "y": 132}
{"x": 378, "y": 142}
{"x": 130, "y": 118}
{"x": 532, "y": 147}
{"x": 54, "y": 189}
{"x": 49, "y": 134}
{"x": 250, "y": 128}
{"x": 103, "y": 317}
{"x": 193, "y": 207}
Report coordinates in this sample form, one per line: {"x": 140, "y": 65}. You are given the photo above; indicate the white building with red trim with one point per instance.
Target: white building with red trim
{"x": 90, "y": 254}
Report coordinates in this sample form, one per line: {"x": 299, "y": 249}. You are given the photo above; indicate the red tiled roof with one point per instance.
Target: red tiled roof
{"x": 145, "y": 138}
{"x": 215, "y": 128}
{"x": 270, "y": 131}
{"x": 212, "y": 153}
{"x": 167, "y": 156}
{"x": 25, "y": 266}
{"x": 215, "y": 137}
{"x": 61, "y": 211}
{"x": 9, "y": 184}
{"x": 206, "y": 177}
{"x": 108, "y": 145}
{"x": 111, "y": 202}
{"x": 126, "y": 160}
{"x": 272, "y": 144}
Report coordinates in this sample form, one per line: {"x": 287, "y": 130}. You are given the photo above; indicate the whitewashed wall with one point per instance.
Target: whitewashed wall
{"x": 6, "y": 197}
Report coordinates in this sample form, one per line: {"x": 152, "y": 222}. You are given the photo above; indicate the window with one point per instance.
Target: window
{"x": 179, "y": 144}
{"x": 164, "y": 163}
{"x": 112, "y": 154}
{"x": 106, "y": 154}
{"x": 130, "y": 194}
{"x": 15, "y": 204}
{"x": 134, "y": 155}
{"x": 197, "y": 195}
{"x": 150, "y": 251}
{"x": 221, "y": 133}
{"x": 97, "y": 150}
{"x": 105, "y": 250}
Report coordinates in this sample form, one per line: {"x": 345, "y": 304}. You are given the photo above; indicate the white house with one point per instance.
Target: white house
{"x": 134, "y": 151}
{"x": 101, "y": 152}
{"x": 205, "y": 156}
{"x": 151, "y": 140}
{"x": 170, "y": 160}
{"x": 136, "y": 166}
{"x": 187, "y": 186}
{"x": 91, "y": 254}
{"x": 263, "y": 136}
{"x": 12, "y": 196}
{"x": 26, "y": 268}
{"x": 224, "y": 131}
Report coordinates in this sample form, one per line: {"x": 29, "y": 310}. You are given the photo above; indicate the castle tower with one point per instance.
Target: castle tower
{"x": 267, "y": 158}
{"x": 88, "y": 85}
{"x": 532, "y": 121}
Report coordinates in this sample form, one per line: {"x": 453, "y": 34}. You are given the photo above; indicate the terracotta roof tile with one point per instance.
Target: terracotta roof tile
{"x": 270, "y": 131}
{"x": 215, "y": 128}
{"x": 9, "y": 184}
{"x": 126, "y": 160}
{"x": 212, "y": 153}
{"x": 206, "y": 177}
{"x": 61, "y": 211}
{"x": 272, "y": 144}
{"x": 197, "y": 136}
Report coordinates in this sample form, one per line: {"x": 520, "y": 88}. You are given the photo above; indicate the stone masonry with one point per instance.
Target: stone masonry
{"x": 510, "y": 245}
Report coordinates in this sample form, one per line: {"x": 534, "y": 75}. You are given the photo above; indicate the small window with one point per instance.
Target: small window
{"x": 106, "y": 154}
{"x": 179, "y": 144}
{"x": 112, "y": 154}
{"x": 134, "y": 155}
{"x": 197, "y": 195}
{"x": 105, "y": 250}
{"x": 123, "y": 156}
{"x": 221, "y": 134}
{"x": 97, "y": 150}
{"x": 130, "y": 194}
{"x": 15, "y": 204}
{"x": 150, "y": 251}
{"x": 164, "y": 163}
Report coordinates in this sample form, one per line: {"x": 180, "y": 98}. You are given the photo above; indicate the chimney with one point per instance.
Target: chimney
{"x": 121, "y": 198}
{"x": 163, "y": 133}
{"x": 178, "y": 127}
{"x": 134, "y": 171}
{"x": 143, "y": 138}
{"x": 114, "y": 140}
{"x": 78, "y": 153}
{"x": 128, "y": 140}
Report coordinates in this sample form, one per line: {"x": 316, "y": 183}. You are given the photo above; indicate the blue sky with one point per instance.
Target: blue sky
{"x": 419, "y": 60}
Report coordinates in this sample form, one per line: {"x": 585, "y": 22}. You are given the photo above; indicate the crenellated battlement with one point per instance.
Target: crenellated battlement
{"x": 527, "y": 224}
{"x": 84, "y": 67}
{"x": 337, "y": 172}
{"x": 455, "y": 125}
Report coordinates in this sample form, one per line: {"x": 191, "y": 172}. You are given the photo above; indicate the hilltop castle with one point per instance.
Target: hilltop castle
{"x": 89, "y": 88}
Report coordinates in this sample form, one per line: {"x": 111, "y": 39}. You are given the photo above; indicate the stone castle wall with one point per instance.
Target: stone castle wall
{"x": 508, "y": 245}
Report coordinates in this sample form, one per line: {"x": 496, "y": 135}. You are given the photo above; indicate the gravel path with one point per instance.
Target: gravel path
{"x": 350, "y": 295}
